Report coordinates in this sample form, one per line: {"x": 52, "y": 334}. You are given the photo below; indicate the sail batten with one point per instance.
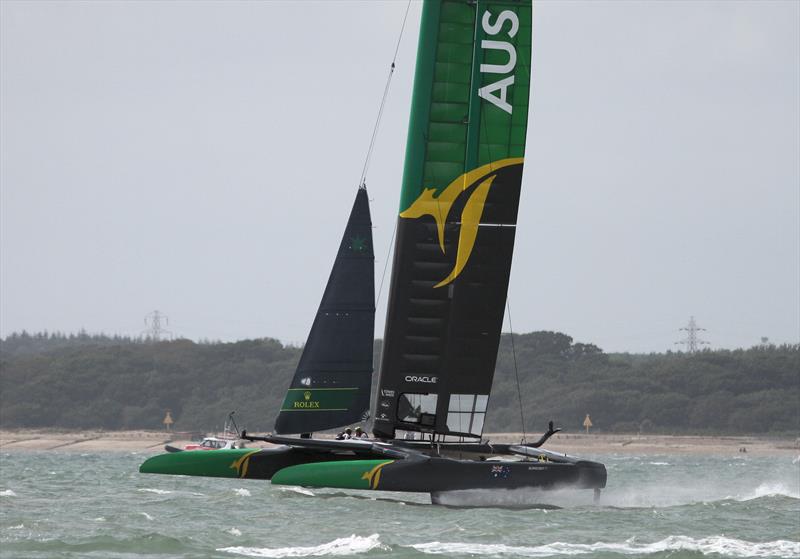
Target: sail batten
{"x": 458, "y": 214}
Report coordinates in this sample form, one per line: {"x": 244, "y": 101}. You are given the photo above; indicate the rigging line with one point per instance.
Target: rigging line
{"x": 402, "y": 28}
{"x": 362, "y": 180}
{"x": 516, "y": 371}
{"x": 386, "y": 264}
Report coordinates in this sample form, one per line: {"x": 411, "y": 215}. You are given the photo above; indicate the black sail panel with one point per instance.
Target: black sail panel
{"x": 331, "y": 386}
{"x": 440, "y": 347}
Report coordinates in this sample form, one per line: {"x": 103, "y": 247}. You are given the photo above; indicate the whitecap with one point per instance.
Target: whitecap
{"x": 99, "y": 519}
{"x": 296, "y": 489}
{"x": 527, "y": 497}
{"x": 659, "y": 463}
{"x": 339, "y": 547}
{"x": 147, "y": 516}
{"x": 796, "y": 459}
{"x": 7, "y": 493}
{"x": 242, "y": 492}
{"x": 719, "y": 545}
{"x": 770, "y": 490}
{"x": 156, "y": 491}
{"x": 234, "y": 532}
{"x": 17, "y": 527}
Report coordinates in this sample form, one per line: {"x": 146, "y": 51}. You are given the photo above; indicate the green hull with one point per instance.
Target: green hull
{"x": 279, "y": 463}
{"x": 210, "y": 463}
{"x": 347, "y": 474}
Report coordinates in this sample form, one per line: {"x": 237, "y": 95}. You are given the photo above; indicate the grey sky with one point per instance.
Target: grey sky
{"x": 201, "y": 159}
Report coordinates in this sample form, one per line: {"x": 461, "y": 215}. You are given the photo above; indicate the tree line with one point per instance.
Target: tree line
{"x": 82, "y": 381}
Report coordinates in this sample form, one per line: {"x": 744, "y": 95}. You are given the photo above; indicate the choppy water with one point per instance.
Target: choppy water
{"x": 69, "y": 505}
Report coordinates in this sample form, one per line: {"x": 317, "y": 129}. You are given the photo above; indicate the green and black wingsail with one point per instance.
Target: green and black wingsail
{"x": 331, "y": 386}
{"x": 458, "y": 212}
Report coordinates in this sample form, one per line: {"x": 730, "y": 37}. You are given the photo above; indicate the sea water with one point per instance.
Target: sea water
{"x": 65, "y": 505}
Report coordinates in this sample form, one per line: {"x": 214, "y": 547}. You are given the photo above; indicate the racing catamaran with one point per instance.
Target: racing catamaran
{"x": 452, "y": 260}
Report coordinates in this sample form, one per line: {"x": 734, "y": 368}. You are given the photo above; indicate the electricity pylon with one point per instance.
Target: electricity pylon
{"x": 692, "y": 341}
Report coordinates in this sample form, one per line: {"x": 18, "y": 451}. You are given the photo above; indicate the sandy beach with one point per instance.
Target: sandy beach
{"x": 570, "y": 443}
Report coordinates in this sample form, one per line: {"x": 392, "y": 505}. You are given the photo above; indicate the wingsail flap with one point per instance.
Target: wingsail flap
{"x": 331, "y": 386}
{"x": 457, "y": 220}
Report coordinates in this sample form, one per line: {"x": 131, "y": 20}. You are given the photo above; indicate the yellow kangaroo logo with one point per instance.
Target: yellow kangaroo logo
{"x": 373, "y": 477}
{"x": 439, "y": 207}
{"x": 241, "y": 464}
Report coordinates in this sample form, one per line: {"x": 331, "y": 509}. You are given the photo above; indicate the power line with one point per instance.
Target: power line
{"x": 516, "y": 373}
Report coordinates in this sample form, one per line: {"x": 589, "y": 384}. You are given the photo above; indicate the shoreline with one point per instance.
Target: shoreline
{"x": 570, "y": 443}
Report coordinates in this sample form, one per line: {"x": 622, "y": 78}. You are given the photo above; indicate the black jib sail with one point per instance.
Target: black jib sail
{"x": 458, "y": 212}
{"x": 331, "y": 386}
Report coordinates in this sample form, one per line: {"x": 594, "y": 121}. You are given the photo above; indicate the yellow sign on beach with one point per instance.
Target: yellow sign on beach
{"x": 168, "y": 420}
{"x": 587, "y": 423}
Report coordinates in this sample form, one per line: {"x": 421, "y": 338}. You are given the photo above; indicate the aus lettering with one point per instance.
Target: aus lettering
{"x": 497, "y": 92}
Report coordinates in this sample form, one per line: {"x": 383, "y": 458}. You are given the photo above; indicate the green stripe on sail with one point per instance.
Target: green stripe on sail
{"x": 452, "y": 128}
{"x": 421, "y": 104}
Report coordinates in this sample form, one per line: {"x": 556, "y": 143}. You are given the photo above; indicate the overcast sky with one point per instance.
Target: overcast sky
{"x": 201, "y": 159}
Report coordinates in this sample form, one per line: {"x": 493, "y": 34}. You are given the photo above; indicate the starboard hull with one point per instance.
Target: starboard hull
{"x": 436, "y": 475}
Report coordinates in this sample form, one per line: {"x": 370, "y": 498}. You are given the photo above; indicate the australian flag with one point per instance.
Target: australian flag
{"x": 500, "y": 472}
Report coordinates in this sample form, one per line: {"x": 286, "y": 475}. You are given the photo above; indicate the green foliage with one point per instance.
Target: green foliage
{"x": 741, "y": 391}
{"x": 118, "y": 383}
{"x": 82, "y": 381}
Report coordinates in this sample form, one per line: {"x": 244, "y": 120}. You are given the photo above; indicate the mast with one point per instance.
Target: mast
{"x": 331, "y": 386}
{"x": 457, "y": 219}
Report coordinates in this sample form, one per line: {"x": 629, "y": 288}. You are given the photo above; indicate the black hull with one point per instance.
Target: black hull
{"x": 444, "y": 474}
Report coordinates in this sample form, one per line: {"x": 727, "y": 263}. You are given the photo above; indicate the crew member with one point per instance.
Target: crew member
{"x": 344, "y": 435}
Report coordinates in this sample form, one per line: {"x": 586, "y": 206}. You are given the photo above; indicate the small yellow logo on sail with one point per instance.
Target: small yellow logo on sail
{"x": 439, "y": 207}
